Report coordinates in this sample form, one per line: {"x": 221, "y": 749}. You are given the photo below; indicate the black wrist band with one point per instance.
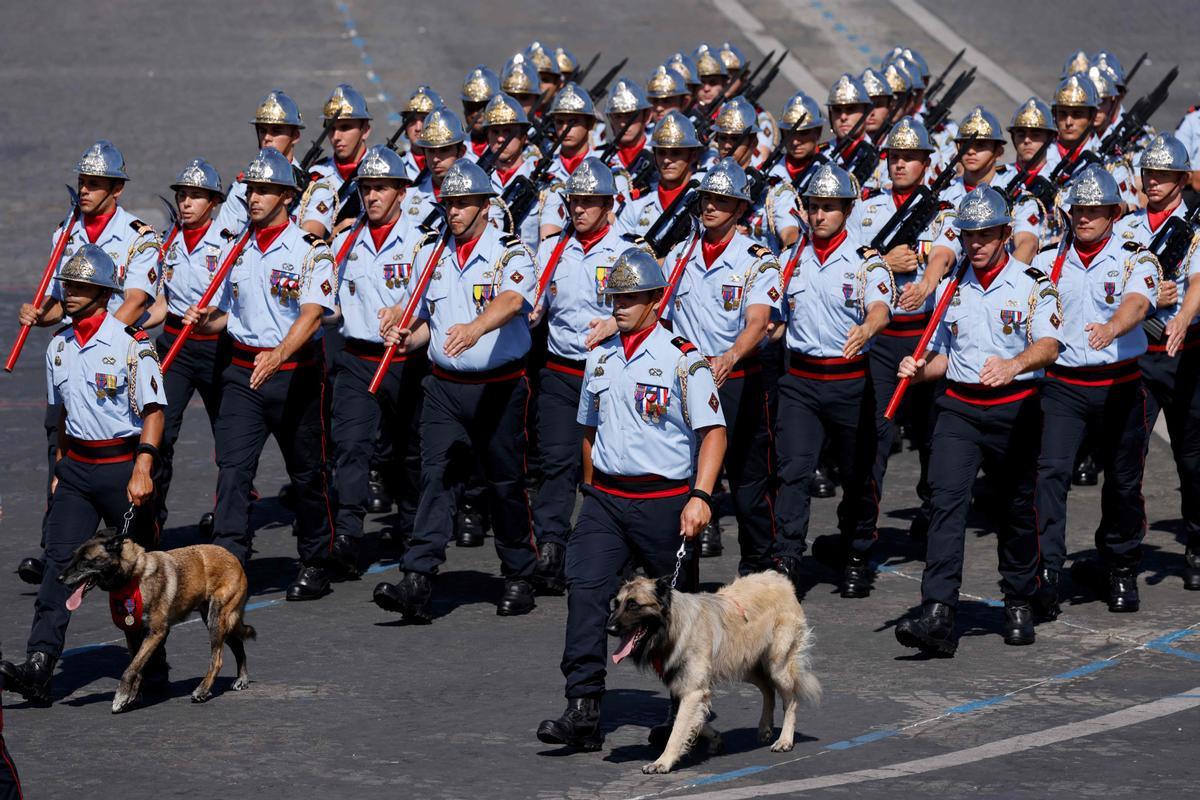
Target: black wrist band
{"x": 148, "y": 448}
{"x": 703, "y": 495}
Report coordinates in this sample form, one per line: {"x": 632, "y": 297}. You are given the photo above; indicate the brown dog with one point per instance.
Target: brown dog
{"x": 173, "y": 584}
{"x": 752, "y": 630}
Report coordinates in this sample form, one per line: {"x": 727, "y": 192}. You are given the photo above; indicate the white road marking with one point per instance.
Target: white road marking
{"x": 755, "y": 31}
{"x": 1003, "y": 747}
{"x": 988, "y": 69}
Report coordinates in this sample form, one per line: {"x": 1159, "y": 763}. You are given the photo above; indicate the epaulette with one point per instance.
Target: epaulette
{"x": 137, "y": 333}
{"x": 61, "y": 330}
{"x": 945, "y": 205}
{"x": 1037, "y": 274}
{"x": 866, "y": 251}
{"x": 684, "y": 345}
{"x": 871, "y": 192}
{"x": 1133, "y": 247}
{"x": 1003, "y": 168}
{"x": 510, "y": 240}
{"x": 1049, "y": 248}
{"x": 633, "y": 238}
{"x": 228, "y": 234}
{"x": 314, "y": 240}
{"x": 759, "y": 251}
{"x": 141, "y": 227}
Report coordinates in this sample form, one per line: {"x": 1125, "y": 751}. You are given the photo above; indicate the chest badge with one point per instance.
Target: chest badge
{"x": 106, "y": 385}
{"x": 848, "y": 295}
{"x": 602, "y": 284}
{"x": 1010, "y": 319}
{"x": 482, "y": 294}
{"x": 1110, "y": 291}
{"x": 651, "y": 401}
{"x": 731, "y": 296}
{"x": 351, "y": 287}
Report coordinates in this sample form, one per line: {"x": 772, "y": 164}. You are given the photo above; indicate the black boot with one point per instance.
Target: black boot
{"x": 412, "y": 597}
{"x": 470, "y": 528}
{"x": 287, "y": 496}
{"x": 31, "y": 570}
{"x": 1018, "y": 622}
{"x": 311, "y": 584}
{"x": 207, "y": 526}
{"x": 856, "y": 577}
{"x": 378, "y": 499}
{"x": 1122, "y": 590}
{"x": 344, "y": 556}
{"x": 822, "y": 484}
{"x": 932, "y": 632}
{"x": 1191, "y": 570}
{"x": 918, "y": 531}
{"x": 1086, "y": 473}
{"x": 517, "y": 598}
{"x": 578, "y": 727}
{"x": 710, "y": 540}
{"x": 549, "y": 575}
{"x": 32, "y": 679}
{"x": 1045, "y": 602}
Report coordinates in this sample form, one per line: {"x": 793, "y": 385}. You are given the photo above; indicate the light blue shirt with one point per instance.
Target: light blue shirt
{"x": 825, "y": 300}
{"x": 129, "y": 242}
{"x": 1093, "y": 294}
{"x": 646, "y": 409}
{"x": 317, "y": 204}
{"x": 457, "y": 295}
{"x": 265, "y": 291}
{"x": 187, "y": 275}
{"x": 419, "y": 200}
{"x": 1020, "y": 307}
{"x": 709, "y": 306}
{"x": 1135, "y": 227}
{"x": 574, "y": 297}
{"x": 95, "y": 381}
{"x": 873, "y": 214}
{"x": 371, "y": 279}
{"x": 1188, "y": 132}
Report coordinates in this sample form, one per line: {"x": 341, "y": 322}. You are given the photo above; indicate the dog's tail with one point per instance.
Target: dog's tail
{"x": 807, "y": 685}
{"x": 244, "y": 631}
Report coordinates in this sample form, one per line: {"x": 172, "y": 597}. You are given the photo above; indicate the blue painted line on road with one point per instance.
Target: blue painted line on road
{"x": 360, "y": 43}
{"x": 839, "y": 27}
{"x": 975, "y": 705}
{"x": 1163, "y": 644}
{"x": 729, "y": 776}
{"x": 1086, "y": 669}
{"x": 866, "y": 738}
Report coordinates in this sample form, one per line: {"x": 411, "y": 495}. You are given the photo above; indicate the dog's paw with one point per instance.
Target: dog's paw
{"x": 122, "y": 701}
{"x": 240, "y": 684}
{"x": 782, "y": 746}
{"x": 200, "y": 695}
{"x": 765, "y": 735}
{"x": 657, "y": 768}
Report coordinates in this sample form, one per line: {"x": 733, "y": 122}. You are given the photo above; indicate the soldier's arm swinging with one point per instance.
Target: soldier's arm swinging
{"x": 697, "y": 514}
{"x": 133, "y": 306}
{"x": 301, "y": 333}
{"x": 589, "y": 438}
{"x": 1025, "y": 247}
{"x": 461, "y": 338}
{"x": 878, "y": 316}
{"x": 757, "y": 317}
{"x": 141, "y": 482}
{"x": 1131, "y": 312}
{"x": 998, "y": 371}
{"x": 914, "y": 294}
{"x": 930, "y": 367}
{"x": 1177, "y": 327}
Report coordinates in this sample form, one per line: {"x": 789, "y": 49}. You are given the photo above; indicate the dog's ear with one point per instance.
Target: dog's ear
{"x": 662, "y": 589}
{"x": 112, "y": 542}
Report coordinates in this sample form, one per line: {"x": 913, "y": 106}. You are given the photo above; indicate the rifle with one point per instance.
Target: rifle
{"x": 866, "y": 156}
{"x": 1121, "y": 139}
{"x": 614, "y": 142}
{"x": 522, "y": 193}
{"x": 758, "y": 178}
{"x": 579, "y": 76}
{"x": 39, "y": 296}
{"x": 752, "y": 93}
{"x": 933, "y": 88}
{"x": 701, "y": 114}
{"x": 804, "y": 178}
{"x": 927, "y": 335}
{"x": 914, "y": 215}
{"x": 218, "y": 278}
{"x": 675, "y": 222}
{"x": 601, "y": 88}
{"x": 172, "y": 232}
{"x": 1045, "y": 189}
{"x": 1170, "y": 246}
{"x": 642, "y": 172}
{"x": 1026, "y": 174}
{"x": 314, "y": 151}
{"x": 939, "y": 112}
{"x": 1136, "y": 66}
{"x": 754, "y": 75}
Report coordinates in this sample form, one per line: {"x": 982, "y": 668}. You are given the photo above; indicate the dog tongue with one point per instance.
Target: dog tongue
{"x": 628, "y": 642}
{"x": 76, "y": 598}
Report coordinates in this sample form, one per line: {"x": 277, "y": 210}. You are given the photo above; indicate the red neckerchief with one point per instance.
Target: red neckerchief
{"x": 478, "y": 145}
{"x": 437, "y": 193}
{"x": 192, "y": 236}
{"x": 713, "y": 250}
{"x": 1034, "y": 171}
{"x": 463, "y": 250}
{"x": 795, "y": 170}
{"x": 667, "y": 196}
{"x": 628, "y": 154}
{"x": 588, "y": 240}
{"x": 850, "y": 153}
{"x": 900, "y": 198}
{"x": 969, "y": 187}
{"x": 631, "y": 341}
{"x": 84, "y": 328}
{"x": 267, "y": 236}
{"x": 1063, "y": 150}
{"x": 94, "y": 224}
{"x": 346, "y": 170}
{"x": 507, "y": 174}
{"x": 1157, "y": 218}
{"x": 1087, "y": 252}
{"x": 986, "y": 277}
{"x": 420, "y": 159}
{"x": 379, "y": 234}
{"x": 825, "y": 247}
{"x": 569, "y": 164}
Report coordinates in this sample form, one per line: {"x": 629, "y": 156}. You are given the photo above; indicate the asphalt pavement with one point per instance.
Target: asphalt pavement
{"x": 347, "y": 702}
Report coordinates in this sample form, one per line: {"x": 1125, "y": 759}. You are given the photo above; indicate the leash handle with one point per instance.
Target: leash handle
{"x": 680, "y": 555}
{"x": 128, "y": 520}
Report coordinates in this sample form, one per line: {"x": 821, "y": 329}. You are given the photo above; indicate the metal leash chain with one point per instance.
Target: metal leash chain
{"x": 680, "y": 554}
{"x": 128, "y": 521}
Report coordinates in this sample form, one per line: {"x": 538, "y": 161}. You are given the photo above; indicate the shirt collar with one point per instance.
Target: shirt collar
{"x": 483, "y": 247}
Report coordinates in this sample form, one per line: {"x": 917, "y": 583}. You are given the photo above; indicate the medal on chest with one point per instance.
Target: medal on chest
{"x": 482, "y": 294}
{"x": 848, "y": 295}
{"x": 1110, "y": 291}
{"x": 106, "y": 386}
{"x": 731, "y": 296}
{"x": 602, "y": 284}
{"x": 1011, "y": 319}
{"x": 651, "y": 401}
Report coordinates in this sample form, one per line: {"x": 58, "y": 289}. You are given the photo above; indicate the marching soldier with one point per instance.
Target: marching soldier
{"x": 507, "y": 129}
{"x": 1031, "y": 127}
{"x": 441, "y": 140}
{"x": 837, "y": 301}
{"x": 713, "y": 75}
{"x": 666, "y": 92}
{"x": 1170, "y": 368}
{"x": 520, "y": 80}
{"x": 909, "y": 152}
{"x": 1107, "y": 287}
{"x": 677, "y": 154}
{"x": 348, "y": 138}
{"x": 473, "y": 318}
{"x": 1002, "y": 328}
{"x": 801, "y": 125}
{"x": 1076, "y": 110}
{"x": 627, "y": 105}
{"x": 479, "y": 87}
{"x": 773, "y": 220}
{"x": 848, "y": 102}
{"x": 271, "y": 307}
{"x": 104, "y": 378}
{"x": 653, "y": 445}
{"x": 412, "y": 118}
{"x": 685, "y": 68}
{"x": 575, "y": 305}
{"x": 188, "y": 267}
{"x": 549, "y": 75}
{"x": 277, "y": 124}
{"x": 883, "y": 102}
{"x": 726, "y": 296}
{"x": 377, "y": 272}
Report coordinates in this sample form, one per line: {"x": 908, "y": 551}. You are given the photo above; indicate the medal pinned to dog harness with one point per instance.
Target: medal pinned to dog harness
{"x": 125, "y": 605}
